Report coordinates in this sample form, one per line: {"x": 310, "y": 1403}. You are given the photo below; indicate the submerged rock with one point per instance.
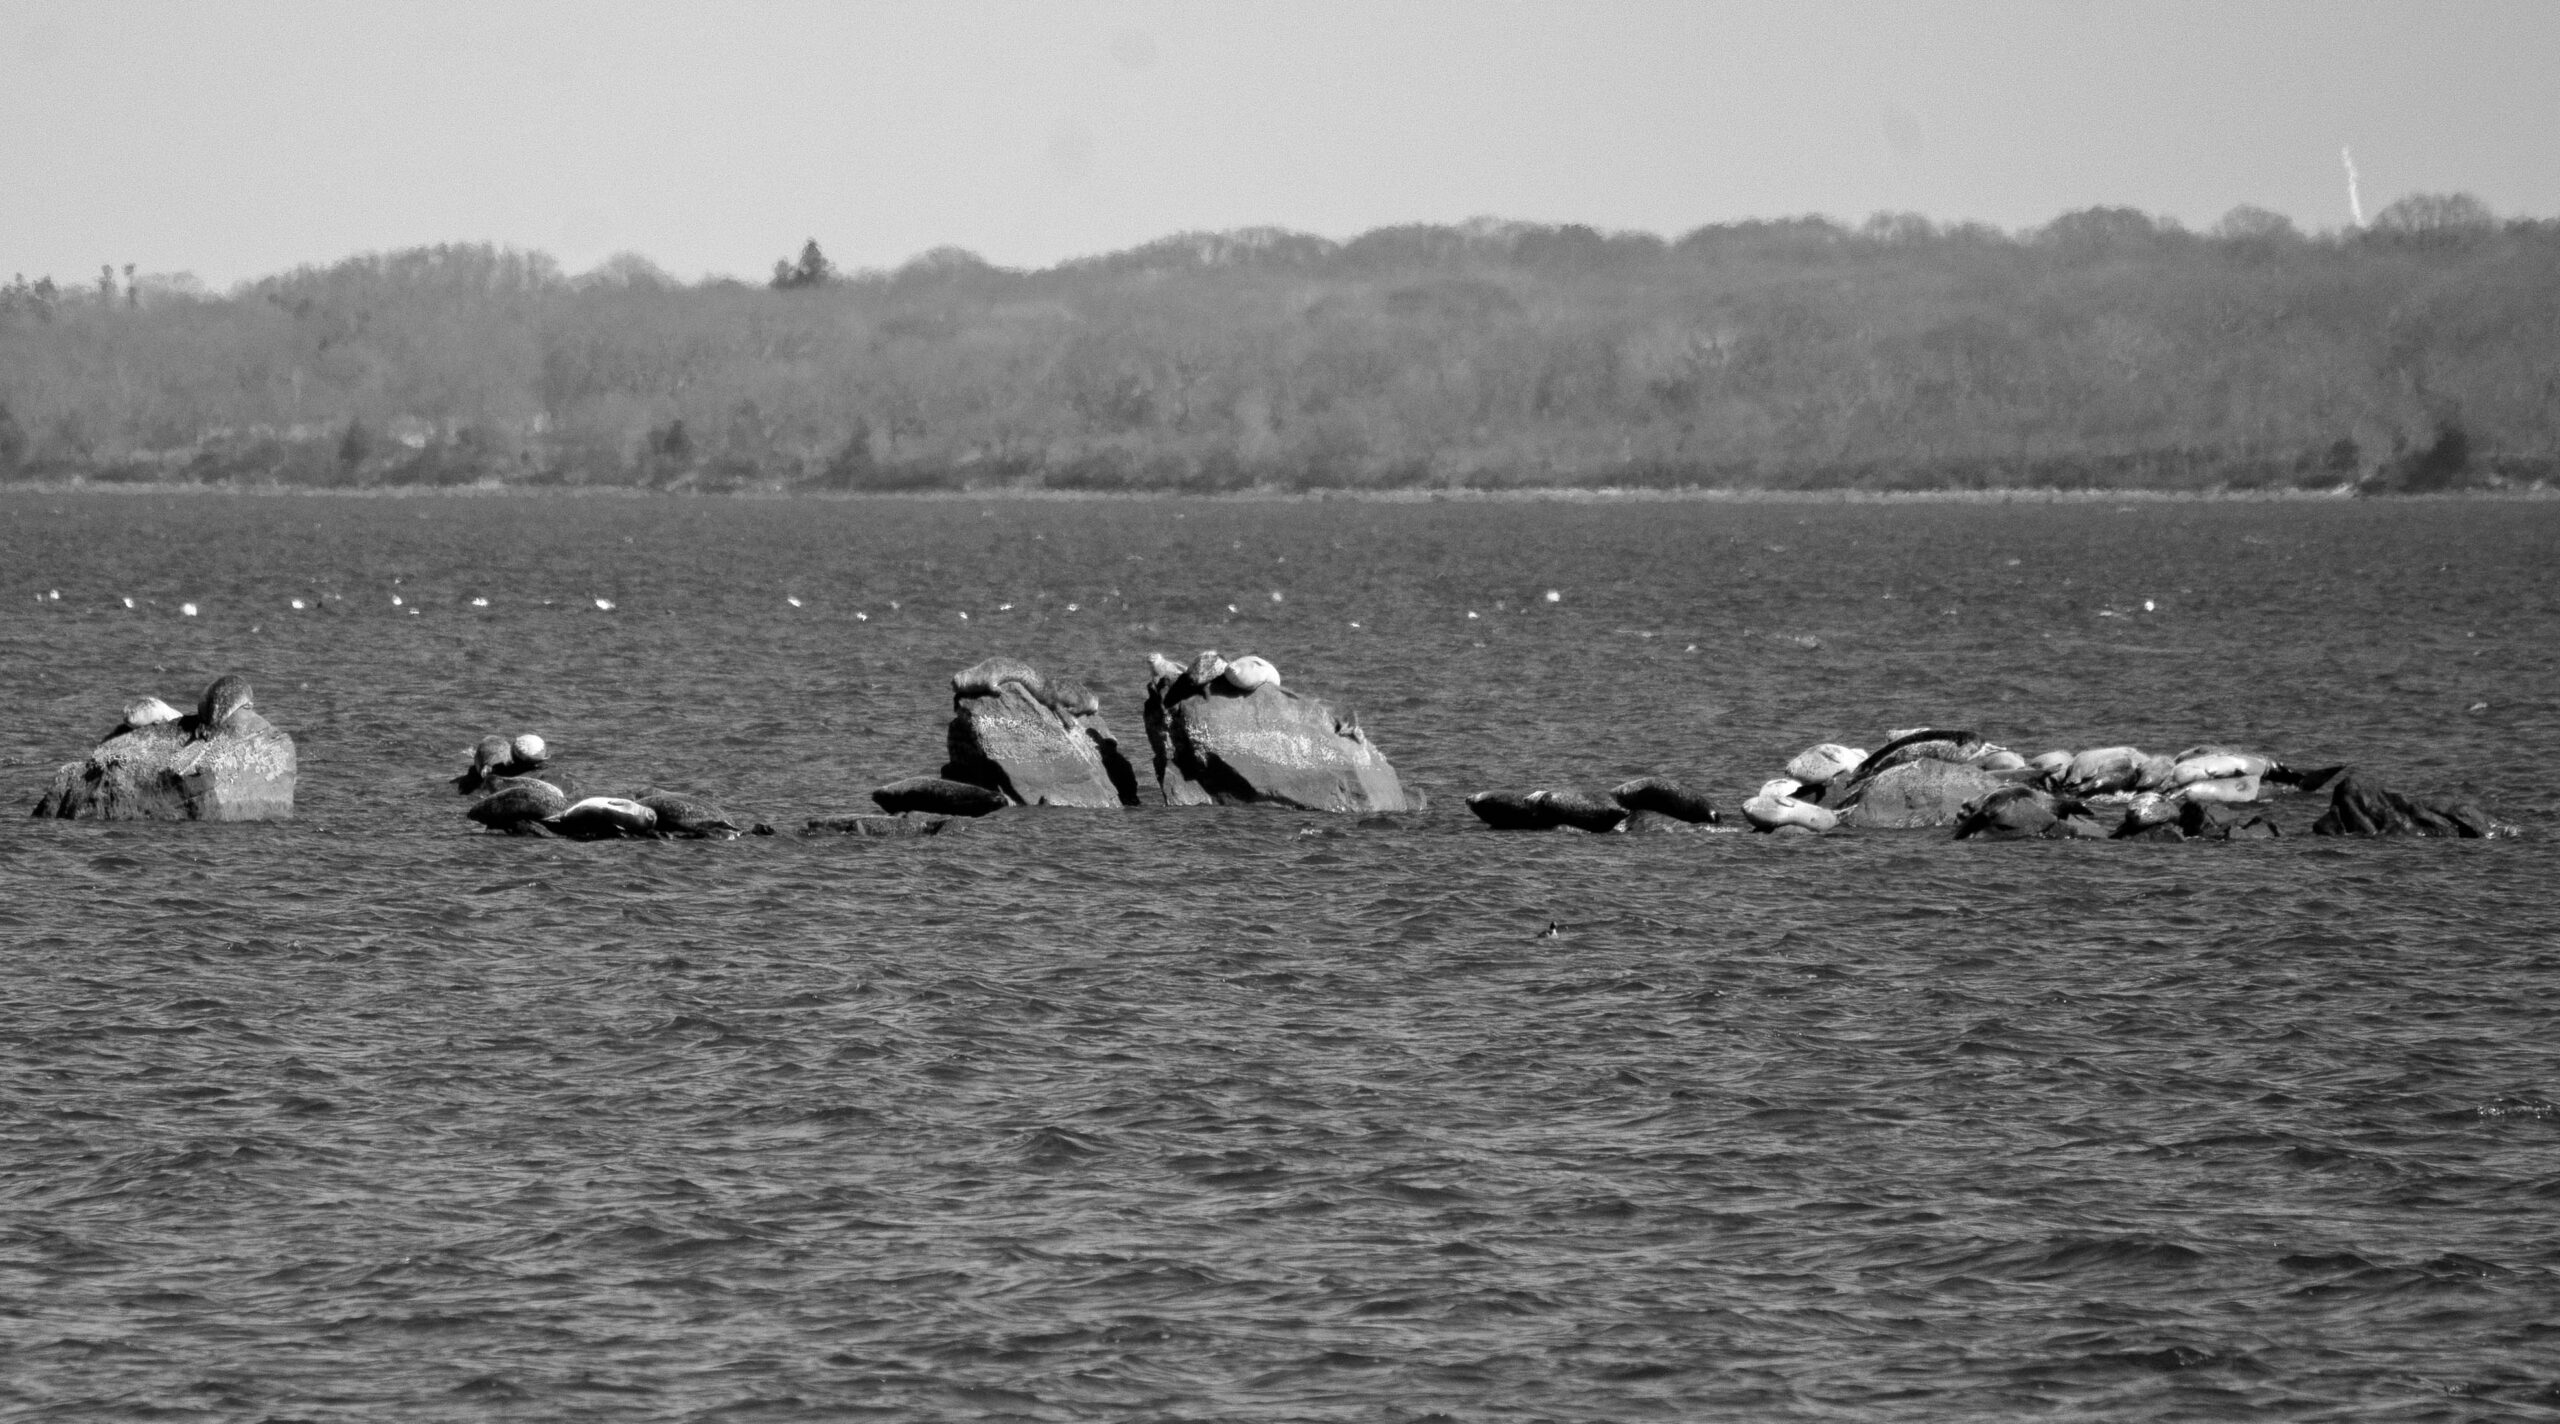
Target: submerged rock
{"x": 1215, "y": 742}
{"x": 224, "y": 763}
{"x": 911, "y": 823}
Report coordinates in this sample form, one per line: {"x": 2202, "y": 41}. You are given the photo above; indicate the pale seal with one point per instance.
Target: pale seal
{"x": 1250, "y": 672}
{"x": 144, "y": 712}
{"x": 1776, "y": 808}
{"x": 603, "y": 818}
{"x": 1822, "y": 764}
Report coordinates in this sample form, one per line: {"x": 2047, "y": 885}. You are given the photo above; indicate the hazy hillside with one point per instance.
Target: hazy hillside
{"x": 2103, "y": 349}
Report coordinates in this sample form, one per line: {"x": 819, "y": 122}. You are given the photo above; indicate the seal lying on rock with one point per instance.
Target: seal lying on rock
{"x": 1217, "y": 743}
{"x": 1776, "y": 807}
{"x": 144, "y": 712}
{"x": 604, "y": 818}
{"x": 1666, "y": 797}
{"x": 939, "y": 796}
{"x": 1034, "y": 742}
{"x": 495, "y": 757}
{"x": 521, "y": 808}
{"x": 2360, "y": 808}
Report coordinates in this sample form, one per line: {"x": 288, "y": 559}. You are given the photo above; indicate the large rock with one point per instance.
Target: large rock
{"x": 1217, "y": 743}
{"x": 226, "y": 763}
{"x": 1926, "y": 792}
{"x": 1038, "y": 745}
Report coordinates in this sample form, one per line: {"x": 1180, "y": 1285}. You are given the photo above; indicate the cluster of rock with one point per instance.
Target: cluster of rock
{"x": 222, "y": 762}
{"x": 1223, "y": 732}
{"x": 1219, "y": 732}
{"x": 522, "y": 794}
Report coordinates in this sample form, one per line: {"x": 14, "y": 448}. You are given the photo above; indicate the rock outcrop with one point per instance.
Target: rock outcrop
{"x": 1216, "y": 742}
{"x": 225, "y": 763}
{"x": 1034, "y": 743}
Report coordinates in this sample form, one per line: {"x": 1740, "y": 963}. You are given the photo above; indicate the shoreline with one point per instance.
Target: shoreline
{"x": 1555, "y": 494}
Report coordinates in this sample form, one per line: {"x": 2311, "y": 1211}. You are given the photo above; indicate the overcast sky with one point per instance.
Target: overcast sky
{"x": 237, "y": 139}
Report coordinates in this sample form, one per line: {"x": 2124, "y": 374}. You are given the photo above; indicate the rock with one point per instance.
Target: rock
{"x": 938, "y": 796}
{"x": 910, "y": 823}
{"x": 1656, "y": 823}
{"x": 2000, "y": 759}
{"x": 2075, "y": 828}
{"x": 1663, "y": 796}
{"x": 2145, "y": 813}
{"x": 1034, "y": 744}
{"x": 603, "y": 818}
{"x": 2012, "y": 813}
{"x": 1581, "y": 810}
{"x": 521, "y": 808}
{"x": 1214, "y": 742}
{"x": 2211, "y": 821}
{"x": 227, "y": 763}
{"x": 1512, "y": 811}
{"x": 2357, "y": 808}
{"x": 1912, "y": 794}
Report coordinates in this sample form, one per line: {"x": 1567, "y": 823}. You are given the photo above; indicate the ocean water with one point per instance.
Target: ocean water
{"x": 1229, "y": 1114}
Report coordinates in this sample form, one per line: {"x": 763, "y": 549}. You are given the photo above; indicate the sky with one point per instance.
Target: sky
{"x": 238, "y": 139}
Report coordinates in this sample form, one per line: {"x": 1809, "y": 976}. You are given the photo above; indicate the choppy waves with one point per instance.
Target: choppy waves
{"x": 1260, "y": 1115}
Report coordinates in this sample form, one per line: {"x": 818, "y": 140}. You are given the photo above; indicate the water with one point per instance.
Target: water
{"x": 1244, "y": 1114}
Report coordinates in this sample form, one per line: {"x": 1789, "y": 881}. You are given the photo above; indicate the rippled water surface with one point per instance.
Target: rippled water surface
{"x": 1244, "y": 1114}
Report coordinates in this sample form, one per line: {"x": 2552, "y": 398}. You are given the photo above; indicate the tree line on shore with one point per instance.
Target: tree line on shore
{"x": 2106, "y": 349}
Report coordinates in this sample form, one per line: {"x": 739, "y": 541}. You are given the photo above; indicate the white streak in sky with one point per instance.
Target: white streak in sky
{"x": 2355, "y": 201}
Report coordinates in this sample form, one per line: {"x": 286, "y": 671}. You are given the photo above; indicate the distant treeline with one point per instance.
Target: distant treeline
{"x": 2106, "y": 349}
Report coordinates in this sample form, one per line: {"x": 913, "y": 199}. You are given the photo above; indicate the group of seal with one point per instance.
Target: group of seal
{"x": 526, "y": 796}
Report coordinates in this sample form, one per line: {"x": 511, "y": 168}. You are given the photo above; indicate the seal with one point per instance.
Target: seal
{"x": 229, "y": 694}
{"x": 1067, "y": 697}
{"x": 1512, "y": 811}
{"x": 939, "y": 796}
{"x": 1665, "y": 797}
{"x": 521, "y": 808}
{"x": 1164, "y": 668}
{"x": 2102, "y": 769}
{"x": 1249, "y": 672}
{"x": 1776, "y": 808}
{"x": 1824, "y": 763}
{"x": 1580, "y": 810}
{"x": 987, "y": 679}
{"x": 525, "y": 753}
{"x": 144, "y": 712}
{"x": 688, "y": 816}
{"x": 604, "y": 818}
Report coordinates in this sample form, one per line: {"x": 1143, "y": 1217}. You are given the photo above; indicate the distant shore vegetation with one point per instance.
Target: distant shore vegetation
{"x": 2105, "y": 350}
